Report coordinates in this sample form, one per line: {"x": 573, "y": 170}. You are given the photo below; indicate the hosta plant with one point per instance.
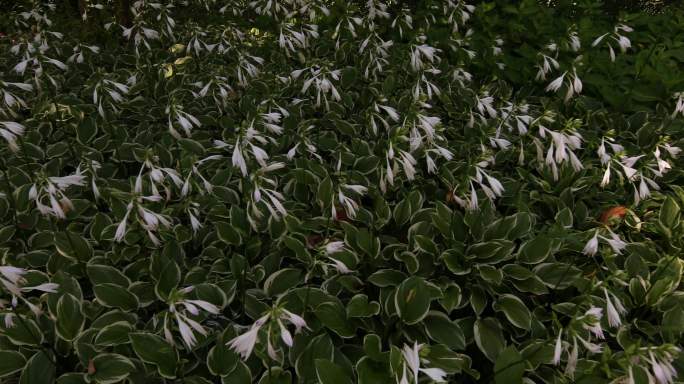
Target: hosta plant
{"x": 337, "y": 192}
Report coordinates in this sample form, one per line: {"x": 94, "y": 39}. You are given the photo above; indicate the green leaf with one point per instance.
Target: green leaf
{"x": 372, "y": 345}
{"x": 241, "y": 374}
{"x": 402, "y": 212}
{"x": 168, "y": 275}
{"x": 11, "y": 362}
{"x": 74, "y": 246}
{"x": 521, "y": 225}
{"x": 564, "y": 218}
{"x": 40, "y": 369}
{"x": 70, "y": 317}
{"x": 489, "y": 337}
{"x": 359, "y": 306}
{"x": 452, "y": 362}
{"x": 320, "y": 347}
{"x": 372, "y": 372}
{"x": 515, "y": 310}
{"x": 72, "y": 378}
{"x": 102, "y": 274}
{"x": 282, "y": 280}
{"x": 227, "y": 233}
{"x": 412, "y": 300}
{"x": 27, "y": 334}
{"x": 325, "y": 192}
{"x": 368, "y": 243}
{"x": 455, "y": 260}
{"x": 493, "y": 251}
{"x": 509, "y": 367}
{"x": 443, "y": 330}
{"x": 536, "y": 250}
{"x": 191, "y": 146}
{"x": 669, "y": 212}
{"x": 221, "y": 360}
{"x": 331, "y": 373}
{"x": 86, "y": 130}
{"x": 387, "y": 278}
{"x": 557, "y": 275}
{"x": 111, "y": 368}
{"x": 114, "y": 334}
{"x": 111, "y": 295}
{"x": 6, "y": 233}
{"x": 276, "y": 375}
{"x": 334, "y": 317}
{"x": 155, "y": 350}
{"x": 296, "y": 246}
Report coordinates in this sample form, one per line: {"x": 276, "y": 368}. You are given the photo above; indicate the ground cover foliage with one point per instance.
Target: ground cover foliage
{"x": 310, "y": 191}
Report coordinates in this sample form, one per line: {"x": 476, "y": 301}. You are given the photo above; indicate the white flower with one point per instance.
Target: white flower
{"x": 239, "y": 160}
{"x": 623, "y": 42}
{"x": 558, "y": 349}
{"x": 606, "y": 177}
{"x": 591, "y": 247}
{"x": 207, "y": 306}
{"x": 592, "y": 321}
{"x": 391, "y": 112}
{"x": 45, "y": 287}
{"x": 644, "y": 192}
{"x": 484, "y": 103}
{"x": 194, "y": 222}
{"x": 575, "y": 43}
{"x": 292, "y": 152}
{"x": 244, "y": 344}
{"x": 334, "y": 247}
{"x": 259, "y": 155}
{"x": 598, "y": 40}
{"x": 67, "y": 181}
{"x": 630, "y": 161}
{"x": 186, "y": 325}
{"x": 295, "y": 320}
{"x": 576, "y": 83}
{"x": 412, "y": 360}
{"x": 591, "y": 347}
{"x": 273, "y": 167}
{"x": 408, "y": 162}
{"x": 340, "y": 266}
{"x": 663, "y": 371}
{"x": 473, "y": 204}
{"x": 497, "y": 188}
{"x": 601, "y": 151}
{"x": 404, "y": 380}
{"x": 615, "y": 242}
{"x": 613, "y": 309}
{"x": 9, "y": 320}
{"x": 613, "y": 315}
{"x": 13, "y": 274}
{"x": 360, "y": 189}
{"x": 431, "y": 166}
{"x": 572, "y": 359}
{"x": 10, "y": 132}
{"x": 186, "y": 332}
{"x": 121, "y": 228}
{"x": 350, "y": 206}
{"x": 673, "y": 151}
{"x": 555, "y": 85}
{"x": 285, "y": 334}
{"x": 11, "y": 278}
{"x": 630, "y": 172}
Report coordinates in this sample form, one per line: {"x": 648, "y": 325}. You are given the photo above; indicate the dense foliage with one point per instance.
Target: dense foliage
{"x": 319, "y": 191}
